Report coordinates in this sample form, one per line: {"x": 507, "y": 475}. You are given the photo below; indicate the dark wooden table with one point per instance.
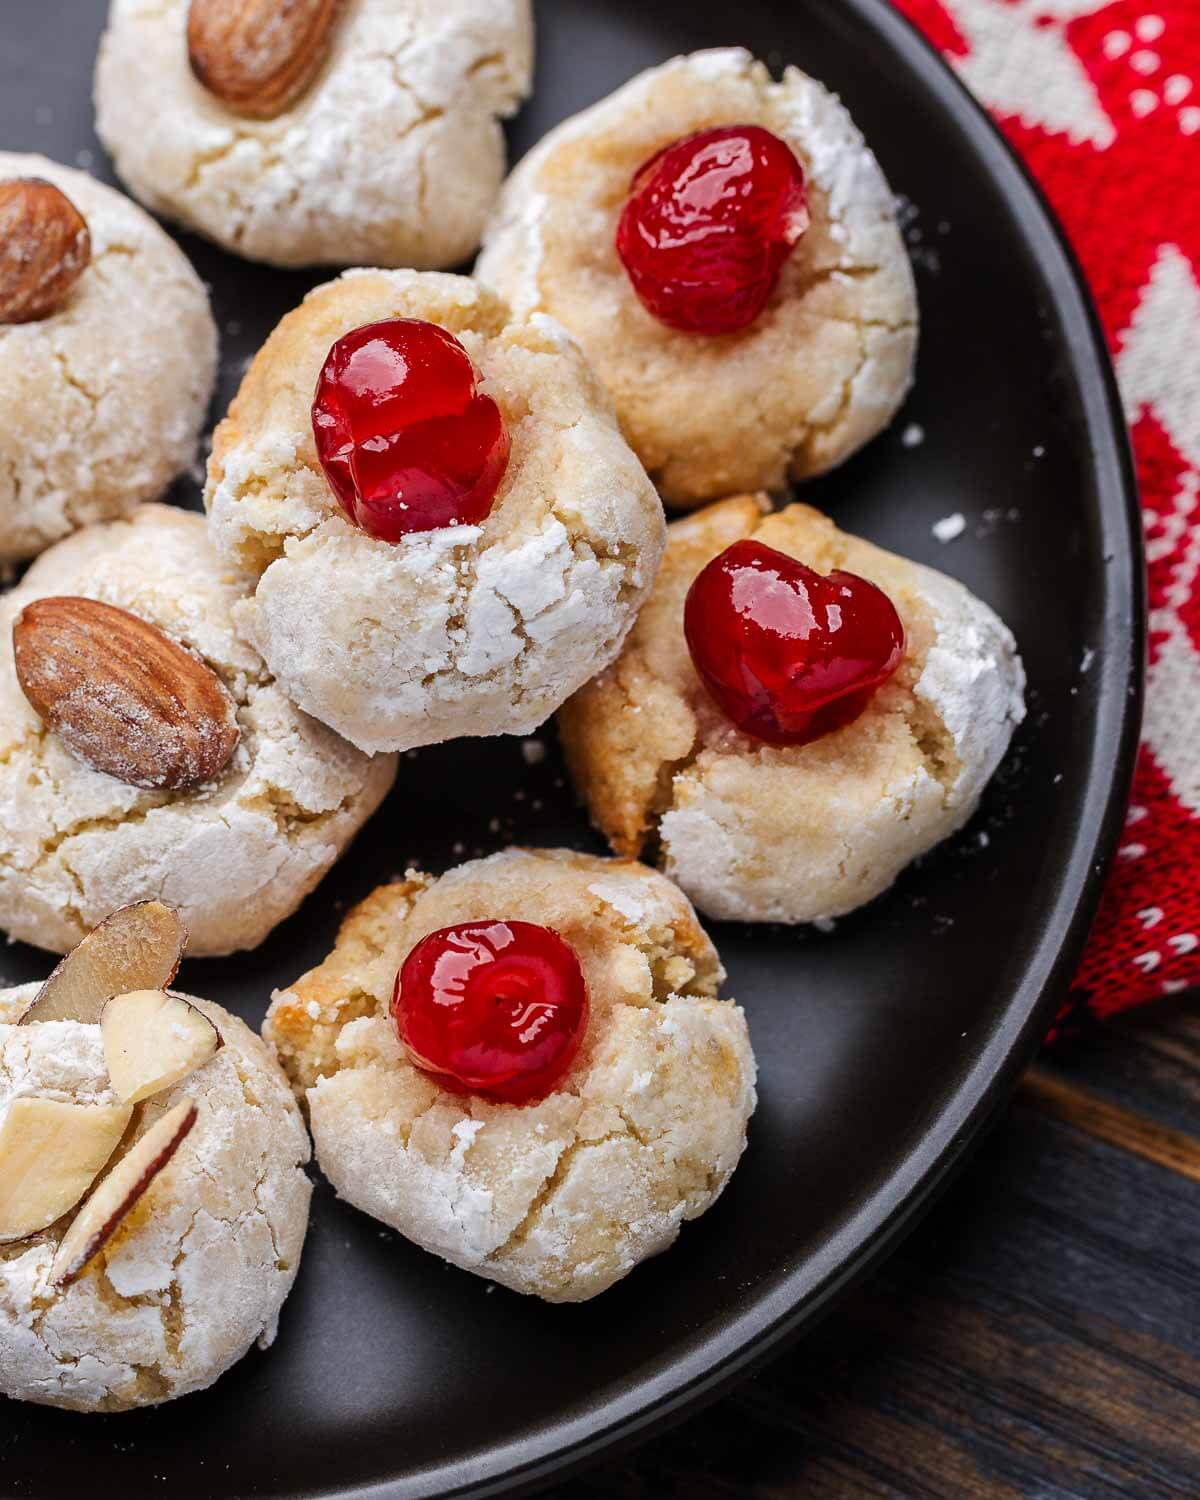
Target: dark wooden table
{"x": 1037, "y": 1336}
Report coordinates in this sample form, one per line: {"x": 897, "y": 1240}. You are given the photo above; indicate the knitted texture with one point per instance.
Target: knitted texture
{"x": 1103, "y": 102}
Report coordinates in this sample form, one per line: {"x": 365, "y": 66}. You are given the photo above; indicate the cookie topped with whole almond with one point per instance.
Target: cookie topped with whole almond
{"x": 107, "y": 355}
{"x": 321, "y": 132}
{"x": 145, "y": 749}
{"x": 153, "y": 1198}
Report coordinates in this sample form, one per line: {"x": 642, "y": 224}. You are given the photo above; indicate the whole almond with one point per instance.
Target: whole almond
{"x": 45, "y": 248}
{"x": 259, "y": 56}
{"x": 123, "y": 696}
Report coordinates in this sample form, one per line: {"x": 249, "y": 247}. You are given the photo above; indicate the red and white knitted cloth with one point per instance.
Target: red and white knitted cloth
{"x": 1103, "y": 102}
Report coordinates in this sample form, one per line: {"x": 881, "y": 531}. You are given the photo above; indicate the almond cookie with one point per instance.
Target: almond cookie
{"x": 635, "y": 1127}
{"x": 361, "y": 133}
{"x": 794, "y": 832}
{"x": 237, "y": 839}
{"x": 455, "y": 628}
{"x": 105, "y": 383}
{"x": 816, "y": 373}
{"x": 162, "y": 1278}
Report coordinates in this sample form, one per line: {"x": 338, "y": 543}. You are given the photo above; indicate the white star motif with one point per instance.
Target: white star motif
{"x": 1019, "y": 67}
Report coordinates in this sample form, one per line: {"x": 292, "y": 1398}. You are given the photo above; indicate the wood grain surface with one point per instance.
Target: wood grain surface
{"x": 1038, "y": 1335}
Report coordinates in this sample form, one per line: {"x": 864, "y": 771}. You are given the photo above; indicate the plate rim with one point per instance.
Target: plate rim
{"x": 739, "y": 1347}
{"x": 760, "y": 1327}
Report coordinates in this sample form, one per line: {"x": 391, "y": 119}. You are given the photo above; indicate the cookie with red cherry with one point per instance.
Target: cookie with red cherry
{"x": 445, "y": 530}
{"x": 726, "y": 250}
{"x": 796, "y": 715}
{"x": 522, "y": 1066}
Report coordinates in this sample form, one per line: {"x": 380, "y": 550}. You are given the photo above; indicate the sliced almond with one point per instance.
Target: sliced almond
{"x": 50, "y": 1154}
{"x": 153, "y": 1040}
{"x": 138, "y": 947}
{"x": 100, "y": 1217}
{"x": 259, "y": 56}
{"x": 45, "y": 248}
{"x": 122, "y": 695}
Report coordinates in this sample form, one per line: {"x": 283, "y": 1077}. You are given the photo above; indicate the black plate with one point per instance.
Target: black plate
{"x": 884, "y": 1046}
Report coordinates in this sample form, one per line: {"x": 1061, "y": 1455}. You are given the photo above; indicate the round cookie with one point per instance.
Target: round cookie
{"x": 463, "y": 630}
{"x": 202, "y": 1265}
{"x": 562, "y": 1197}
{"x": 102, "y": 401}
{"x": 392, "y": 156}
{"x": 762, "y": 833}
{"x": 822, "y": 369}
{"x": 236, "y": 856}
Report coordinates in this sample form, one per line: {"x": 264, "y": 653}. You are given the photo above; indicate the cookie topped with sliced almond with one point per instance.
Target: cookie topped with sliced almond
{"x": 151, "y": 1169}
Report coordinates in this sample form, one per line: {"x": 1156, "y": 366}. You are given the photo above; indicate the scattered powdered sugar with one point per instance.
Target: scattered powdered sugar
{"x": 913, "y": 435}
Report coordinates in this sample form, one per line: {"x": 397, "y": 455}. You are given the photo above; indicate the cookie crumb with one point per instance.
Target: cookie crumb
{"x": 949, "y": 527}
{"x": 913, "y": 435}
{"x": 533, "y": 751}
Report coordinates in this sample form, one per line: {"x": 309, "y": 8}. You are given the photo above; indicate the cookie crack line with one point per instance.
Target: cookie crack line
{"x": 73, "y": 380}
{"x": 553, "y": 1181}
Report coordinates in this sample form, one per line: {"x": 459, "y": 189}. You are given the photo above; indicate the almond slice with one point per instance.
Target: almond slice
{"x": 153, "y": 1040}
{"x": 50, "y": 1154}
{"x": 45, "y": 248}
{"x": 138, "y": 947}
{"x": 122, "y": 695}
{"x": 259, "y": 56}
{"x": 101, "y": 1216}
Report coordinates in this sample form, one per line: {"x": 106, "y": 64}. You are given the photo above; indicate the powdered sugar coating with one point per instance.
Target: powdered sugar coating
{"x": 393, "y": 156}
{"x": 754, "y": 832}
{"x": 237, "y": 855}
{"x": 562, "y": 1197}
{"x": 101, "y": 402}
{"x": 820, "y": 371}
{"x": 466, "y": 630}
{"x": 201, "y": 1268}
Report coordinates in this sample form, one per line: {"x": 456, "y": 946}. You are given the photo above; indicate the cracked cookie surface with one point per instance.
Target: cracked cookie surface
{"x": 559, "y": 1198}
{"x": 202, "y": 1265}
{"x": 101, "y": 403}
{"x": 755, "y": 832}
{"x": 237, "y": 855}
{"x": 464, "y": 630}
{"x": 822, "y": 369}
{"x": 392, "y": 157}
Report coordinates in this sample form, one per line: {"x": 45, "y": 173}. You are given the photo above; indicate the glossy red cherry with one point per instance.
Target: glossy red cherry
{"x": 789, "y": 654}
{"x": 405, "y": 440}
{"x": 708, "y": 225}
{"x": 495, "y": 1008}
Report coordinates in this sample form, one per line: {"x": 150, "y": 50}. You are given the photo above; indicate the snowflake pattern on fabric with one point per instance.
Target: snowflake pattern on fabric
{"x": 1103, "y": 102}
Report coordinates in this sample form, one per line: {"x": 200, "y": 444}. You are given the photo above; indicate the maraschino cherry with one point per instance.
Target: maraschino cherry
{"x": 787, "y": 653}
{"x": 708, "y": 224}
{"x": 494, "y": 1008}
{"x": 406, "y": 441}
